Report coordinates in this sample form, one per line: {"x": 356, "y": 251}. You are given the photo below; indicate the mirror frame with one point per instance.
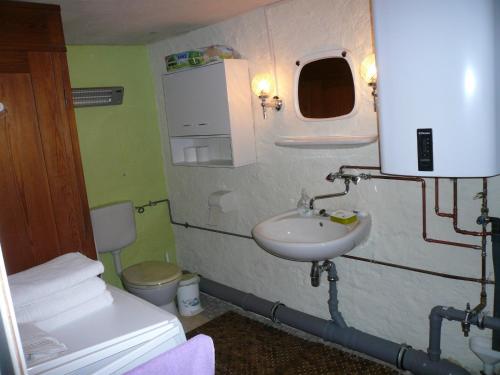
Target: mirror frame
{"x": 334, "y": 53}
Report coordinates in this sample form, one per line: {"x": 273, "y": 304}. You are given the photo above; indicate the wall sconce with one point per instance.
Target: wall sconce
{"x": 262, "y": 86}
{"x": 368, "y": 70}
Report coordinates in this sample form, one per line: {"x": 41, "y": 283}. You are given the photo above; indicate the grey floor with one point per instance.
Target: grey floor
{"x": 214, "y": 307}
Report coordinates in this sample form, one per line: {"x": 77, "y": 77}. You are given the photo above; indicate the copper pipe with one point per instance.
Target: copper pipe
{"x": 424, "y": 204}
{"x": 484, "y": 212}
{"x": 373, "y": 261}
{"x": 455, "y": 212}
{"x": 419, "y": 270}
{"x": 454, "y": 215}
{"x": 436, "y": 200}
{"x": 373, "y": 168}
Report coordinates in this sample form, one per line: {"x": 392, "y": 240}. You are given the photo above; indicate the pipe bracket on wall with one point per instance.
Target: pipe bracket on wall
{"x": 141, "y": 209}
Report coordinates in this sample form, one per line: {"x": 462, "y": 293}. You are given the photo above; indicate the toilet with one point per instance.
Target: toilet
{"x": 156, "y": 282}
{"x": 481, "y": 346}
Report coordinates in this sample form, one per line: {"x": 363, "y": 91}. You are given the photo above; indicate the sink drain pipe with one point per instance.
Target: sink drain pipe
{"x": 400, "y": 355}
{"x": 333, "y": 302}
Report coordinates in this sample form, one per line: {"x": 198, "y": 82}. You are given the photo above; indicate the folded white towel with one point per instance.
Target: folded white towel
{"x": 59, "y": 302}
{"x": 38, "y": 345}
{"x": 77, "y": 312}
{"x": 59, "y": 273}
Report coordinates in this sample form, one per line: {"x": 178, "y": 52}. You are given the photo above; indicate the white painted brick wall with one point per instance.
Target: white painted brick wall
{"x": 387, "y": 302}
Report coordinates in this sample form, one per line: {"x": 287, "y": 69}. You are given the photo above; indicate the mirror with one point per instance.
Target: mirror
{"x": 324, "y": 86}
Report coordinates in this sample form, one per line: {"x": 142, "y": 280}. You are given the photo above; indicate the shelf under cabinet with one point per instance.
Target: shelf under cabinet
{"x": 219, "y": 150}
{"x": 211, "y": 163}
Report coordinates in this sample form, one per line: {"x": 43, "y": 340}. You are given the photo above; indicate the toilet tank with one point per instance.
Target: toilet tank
{"x": 113, "y": 226}
{"x": 438, "y": 86}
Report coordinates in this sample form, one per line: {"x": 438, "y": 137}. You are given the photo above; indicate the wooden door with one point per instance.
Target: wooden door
{"x": 43, "y": 205}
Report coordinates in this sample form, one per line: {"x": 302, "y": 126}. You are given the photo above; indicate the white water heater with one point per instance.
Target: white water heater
{"x": 438, "y": 86}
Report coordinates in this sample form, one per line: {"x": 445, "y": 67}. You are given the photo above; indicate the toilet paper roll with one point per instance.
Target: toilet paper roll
{"x": 202, "y": 153}
{"x": 224, "y": 200}
{"x": 190, "y": 154}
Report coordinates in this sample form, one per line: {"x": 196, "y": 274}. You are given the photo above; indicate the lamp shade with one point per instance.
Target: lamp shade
{"x": 262, "y": 84}
{"x": 368, "y": 69}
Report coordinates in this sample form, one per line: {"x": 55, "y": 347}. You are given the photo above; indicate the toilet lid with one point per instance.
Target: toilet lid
{"x": 151, "y": 273}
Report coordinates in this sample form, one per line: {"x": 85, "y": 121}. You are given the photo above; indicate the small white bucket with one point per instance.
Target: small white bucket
{"x": 188, "y": 295}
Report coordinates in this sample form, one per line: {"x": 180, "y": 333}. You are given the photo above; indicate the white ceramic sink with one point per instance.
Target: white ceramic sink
{"x": 313, "y": 238}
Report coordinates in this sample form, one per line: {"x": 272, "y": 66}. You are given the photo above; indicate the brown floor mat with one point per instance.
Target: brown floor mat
{"x": 246, "y": 347}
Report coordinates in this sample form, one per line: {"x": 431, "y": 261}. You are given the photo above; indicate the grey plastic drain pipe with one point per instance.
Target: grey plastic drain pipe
{"x": 333, "y": 302}
{"x": 495, "y": 244}
{"x": 399, "y": 355}
{"x": 438, "y": 313}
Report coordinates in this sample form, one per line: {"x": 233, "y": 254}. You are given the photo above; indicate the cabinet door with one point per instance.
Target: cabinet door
{"x": 197, "y": 102}
{"x": 41, "y": 210}
{"x": 27, "y": 223}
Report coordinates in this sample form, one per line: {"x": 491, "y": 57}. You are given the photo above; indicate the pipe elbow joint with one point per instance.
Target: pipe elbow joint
{"x": 437, "y": 312}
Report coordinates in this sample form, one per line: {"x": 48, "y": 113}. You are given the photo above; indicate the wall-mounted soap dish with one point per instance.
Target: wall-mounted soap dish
{"x": 330, "y": 141}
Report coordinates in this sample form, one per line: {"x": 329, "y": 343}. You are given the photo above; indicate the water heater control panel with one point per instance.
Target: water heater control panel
{"x": 424, "y": 149}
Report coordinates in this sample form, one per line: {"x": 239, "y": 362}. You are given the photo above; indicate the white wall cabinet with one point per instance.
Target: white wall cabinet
{"x": 211, "y": 106}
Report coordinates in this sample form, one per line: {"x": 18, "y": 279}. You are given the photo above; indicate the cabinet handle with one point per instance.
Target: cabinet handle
{"x": 202, "y": 124}
{"x": 65, "y": 97}
{"x": 3, "y": 110}
{"x": 187, "y": 124}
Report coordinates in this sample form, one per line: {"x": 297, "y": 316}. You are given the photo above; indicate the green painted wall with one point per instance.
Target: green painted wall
{"x": 121, "y": 147}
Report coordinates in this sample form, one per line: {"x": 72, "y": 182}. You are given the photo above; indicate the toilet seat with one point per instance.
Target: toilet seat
{"x": 151, "y": 274}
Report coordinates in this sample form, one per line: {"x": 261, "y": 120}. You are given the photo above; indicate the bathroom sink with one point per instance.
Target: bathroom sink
{"x": 313, "y": 238}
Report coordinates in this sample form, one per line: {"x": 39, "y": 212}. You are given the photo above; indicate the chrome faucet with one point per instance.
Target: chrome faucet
{"x": 345, "y": 176}
{"x": 348, "y": 178}
{"x": 333, "y": 195}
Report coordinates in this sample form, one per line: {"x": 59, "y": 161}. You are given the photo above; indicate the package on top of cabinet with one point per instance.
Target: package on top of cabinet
{"x": 199, "y": 56}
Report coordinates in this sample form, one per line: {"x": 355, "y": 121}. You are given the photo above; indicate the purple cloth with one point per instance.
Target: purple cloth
{"x": 194, "y": 357}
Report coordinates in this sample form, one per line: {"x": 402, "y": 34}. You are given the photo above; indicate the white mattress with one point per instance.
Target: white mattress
{"x": 115, "y": 339}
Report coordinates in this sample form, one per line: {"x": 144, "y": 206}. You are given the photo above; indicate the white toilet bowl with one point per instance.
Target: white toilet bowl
{"x": 156, "y": 282}
{"x": 481, "y": 346}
